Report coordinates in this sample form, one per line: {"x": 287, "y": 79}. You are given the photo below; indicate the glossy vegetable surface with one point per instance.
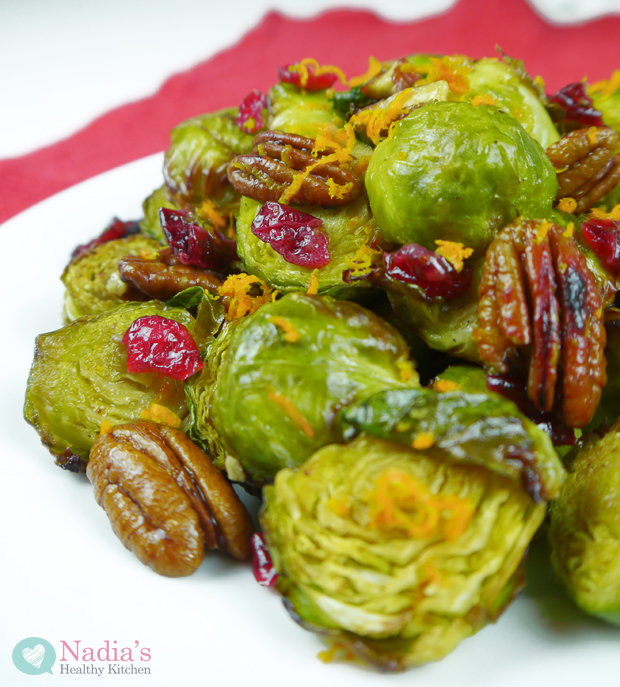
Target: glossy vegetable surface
{"x": 79, "y": 378}
{"x": 457, "y": 172}
{"x": 585, "y": 527}
{"x": 396, "y": 552}
{"x": 273, "y": 382}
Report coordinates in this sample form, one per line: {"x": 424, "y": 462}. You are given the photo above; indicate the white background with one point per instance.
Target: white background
{"x": 63, "y": 575}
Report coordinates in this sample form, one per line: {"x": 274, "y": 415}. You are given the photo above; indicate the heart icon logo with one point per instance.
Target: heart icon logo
{"x": 35, "y": 655}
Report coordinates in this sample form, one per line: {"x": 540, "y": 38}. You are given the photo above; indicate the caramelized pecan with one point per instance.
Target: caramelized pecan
{"x": 587, "y": 164}
{"x": 165, "y": 499}
{"x": 281, "y": 161}
{"x": 539, "y": 298}
{"x": 164, "y": 276}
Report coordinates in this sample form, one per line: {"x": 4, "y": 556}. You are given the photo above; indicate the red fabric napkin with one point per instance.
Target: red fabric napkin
{"x": 344, "y": 38}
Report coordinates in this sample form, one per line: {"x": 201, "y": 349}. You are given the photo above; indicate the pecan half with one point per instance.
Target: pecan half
{"x": 164, "y": 276}
{"x": 587, "y": 164}
{"x": 538, "y": 298}
{"x": 282, "y": 168}
{"x": 165, "y": 498}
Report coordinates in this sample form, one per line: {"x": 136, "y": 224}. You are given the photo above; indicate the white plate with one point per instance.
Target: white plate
{"x": 65, "y": 576}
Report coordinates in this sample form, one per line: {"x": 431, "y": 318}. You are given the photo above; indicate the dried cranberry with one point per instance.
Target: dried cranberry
{"x": 514, "y": 388}
{"x": 193, "y": 245}
{"x": 115, "y": 230}
{"x": 250, "y": 116}
{"x": 579, "y": 111}
{"x": 159, "y": 344}
{"x": 603, "y": 237}
{"x": 291, "y": 233}
{"x": 262, "y": 565}
{"x": 307, "y": 76}
{"x": 414, "y": 264}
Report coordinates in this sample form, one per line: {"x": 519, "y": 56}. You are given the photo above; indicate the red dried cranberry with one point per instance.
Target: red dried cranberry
{"x": 514, "y": 388}
{"x": 414, "y": 264}
{"x": 195, "y": 246}
{"x": 578, "y": 107}
{"x": 315, "y": 81}
{"x": 250, "y": 116}
{"x": 262, "y": 565}
{"x": 159, "y": 344}
{"x": 115, "y": 230}
{"x": 603, "y": 237}
{"x": 291, "y": 233}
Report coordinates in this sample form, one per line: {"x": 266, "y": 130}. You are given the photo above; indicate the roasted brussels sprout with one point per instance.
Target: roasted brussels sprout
{"x": 397, "y": 552}
{"x": 150, "y": 224}
{"x": 468, "y": 423}
{"x": 297, "y": 111}
{"x": 273, "y": 382}
{"x": 458, "y": 172}
{"x": 606, "y": 98}
{"x": 92, "y": 280}
{"x": 501, "y": 83}
{"x": 444, "y": 325}
{"x": 195, "y": 164}
{"x": 349, "y": 229}
{"x": 584, "y": 531}
{"x": 79, "y": 378}
{"x": 608, "y": 410}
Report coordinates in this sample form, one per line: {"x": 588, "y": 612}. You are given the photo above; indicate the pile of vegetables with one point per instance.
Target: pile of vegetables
{"x": 383, "y": 305}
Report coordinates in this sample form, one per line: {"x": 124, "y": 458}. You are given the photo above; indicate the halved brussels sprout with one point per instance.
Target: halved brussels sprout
{"x": 348, "y": 228}
{"x": 397, "y": 552}
{"x": 458, "y": 172}
{"x": 300, "y": 112}
{"x": 584, "y": 531}
{"x": 467, "y": 422}
{"x": 92, "y": 280}
{"x": 273, "y": 383}
{"x": 79, "y": 378}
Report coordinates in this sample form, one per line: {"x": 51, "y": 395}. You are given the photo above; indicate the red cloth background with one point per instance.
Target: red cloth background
{"x": 344, "y": 38}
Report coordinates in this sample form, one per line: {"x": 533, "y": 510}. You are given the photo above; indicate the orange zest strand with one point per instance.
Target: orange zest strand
{"x": 404, "y": 505}
{"x": 290, "y": 333}
{"x": 235, "y": 294}
{"x": 455, "y": 253}
{"x": 289, "y": 408}
{"x": 161, "y": 415}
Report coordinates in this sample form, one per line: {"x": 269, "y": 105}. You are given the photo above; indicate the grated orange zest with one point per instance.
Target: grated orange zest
{"x": 362, "y": 262}
{"x": 208, "y": 211}
{"x": 542, "y": 230}
{"x": 290, "y": 333}
{"x": 402, "y": 503}
{"x": 568, "y": 205}
{"x": 423, "y": 440}
{"x": 236, "y": 298}
{"x": 374, "y": 67}
{"x": 289, "y": 408}
{"x": 161, "y": 415}
{"x": 313, "y": 284}
{"x": 455, "y": 253}
{"x": 444, "y": 385}
{"x": 599, "y": 213}
{"x": 485, "y": 99}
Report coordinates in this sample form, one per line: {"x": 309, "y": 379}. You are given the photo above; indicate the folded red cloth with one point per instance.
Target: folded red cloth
{"x": 341, "y": 37}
